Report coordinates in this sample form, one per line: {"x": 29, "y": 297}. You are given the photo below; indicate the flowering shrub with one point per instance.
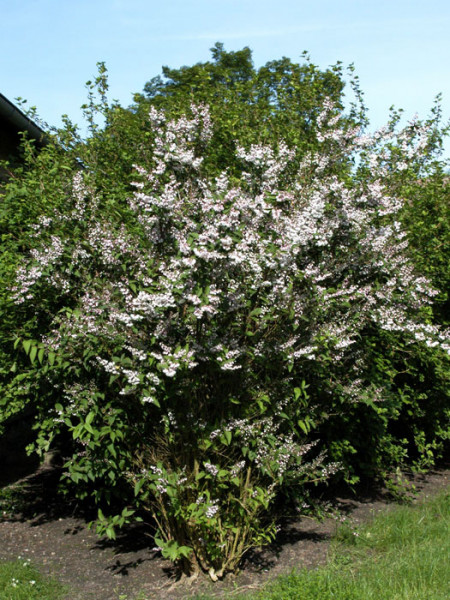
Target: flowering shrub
{"x": 204, "y": 351}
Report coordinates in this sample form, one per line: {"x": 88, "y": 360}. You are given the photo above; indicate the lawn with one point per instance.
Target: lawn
{"x": 19, "y": 580}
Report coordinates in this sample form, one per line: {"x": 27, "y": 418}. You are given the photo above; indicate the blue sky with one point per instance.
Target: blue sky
{"x": 49, "y": 48}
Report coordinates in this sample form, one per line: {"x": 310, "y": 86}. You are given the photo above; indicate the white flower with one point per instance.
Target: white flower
{"x": 212, "y": 469}
{"x": 212, "y": 509}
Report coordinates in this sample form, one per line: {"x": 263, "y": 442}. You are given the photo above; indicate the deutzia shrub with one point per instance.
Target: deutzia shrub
{"x": 199, "y": 350}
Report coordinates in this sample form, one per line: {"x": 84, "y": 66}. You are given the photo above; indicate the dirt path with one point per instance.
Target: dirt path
{"x": 55, "y": 537}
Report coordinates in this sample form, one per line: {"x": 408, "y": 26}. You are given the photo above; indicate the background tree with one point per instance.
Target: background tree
{"x": 280, "y": 100}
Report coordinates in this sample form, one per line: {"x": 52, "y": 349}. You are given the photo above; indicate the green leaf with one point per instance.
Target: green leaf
{"x": 225, "y": 438}
{"x": 184, "y": 551}
{"x": 138, "y": 486}
{"x": 112, "y": 450}
{"x": 173, "y": 551}
{"x": 33, "y": 353}
{"x": 303, "y": 426}
{"x": 41, "y": 355}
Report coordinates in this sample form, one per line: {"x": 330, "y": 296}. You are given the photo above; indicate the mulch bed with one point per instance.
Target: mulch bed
{"x": 54, "y": 535}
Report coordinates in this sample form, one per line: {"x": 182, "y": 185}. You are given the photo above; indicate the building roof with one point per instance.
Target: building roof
{"x": 10, "y": 113}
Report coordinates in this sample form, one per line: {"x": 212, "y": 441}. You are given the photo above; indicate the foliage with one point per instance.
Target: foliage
{"x": 36, "y": 188}
{"x": 12, "y": 500}
{"x": 427, "y": 220}
{"x": 423, "y": 184}
{"x": 212, "y": 339}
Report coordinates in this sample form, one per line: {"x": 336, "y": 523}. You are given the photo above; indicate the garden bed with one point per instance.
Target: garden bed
{"x": 38, "y": 525}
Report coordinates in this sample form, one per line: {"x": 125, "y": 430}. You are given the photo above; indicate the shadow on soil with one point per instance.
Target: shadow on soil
{"x": 39, "y": 502}
{"x": 29, "y": 493}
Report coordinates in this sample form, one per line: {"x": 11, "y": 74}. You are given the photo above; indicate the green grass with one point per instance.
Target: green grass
{"x": 401, "y": 555}
{"x": 19, "y": 580}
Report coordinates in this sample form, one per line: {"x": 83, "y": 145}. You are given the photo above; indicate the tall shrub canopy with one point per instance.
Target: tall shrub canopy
{"x": 215, "y": 333}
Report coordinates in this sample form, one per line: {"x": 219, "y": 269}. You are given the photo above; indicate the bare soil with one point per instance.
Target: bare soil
{"x": 54, "y": 535}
